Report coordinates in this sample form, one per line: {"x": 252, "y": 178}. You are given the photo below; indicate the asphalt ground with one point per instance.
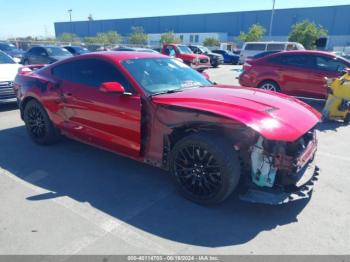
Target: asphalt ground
{"x": 71, "y": 198}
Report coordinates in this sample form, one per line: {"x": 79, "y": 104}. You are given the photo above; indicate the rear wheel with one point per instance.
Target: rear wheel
{"x": 270, "y": 86}
{"x": 206, "y": 169}
{"x": 39, "y": 126}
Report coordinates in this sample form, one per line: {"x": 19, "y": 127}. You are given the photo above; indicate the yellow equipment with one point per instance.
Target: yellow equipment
{"x": 338, "y": 103}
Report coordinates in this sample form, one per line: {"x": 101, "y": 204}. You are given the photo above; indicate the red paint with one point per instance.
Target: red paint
{"x": 193, "y": 60}
{"x": 135, "y": 125}
{"x": 307, "y": 81}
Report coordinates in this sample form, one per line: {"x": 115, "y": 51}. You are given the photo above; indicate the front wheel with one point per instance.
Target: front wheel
{"x": 38, "y": 124}
{"x": 205, "y": 168}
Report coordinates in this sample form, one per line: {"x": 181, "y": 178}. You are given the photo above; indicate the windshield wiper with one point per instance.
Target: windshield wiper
{"x": 167, "y": 92}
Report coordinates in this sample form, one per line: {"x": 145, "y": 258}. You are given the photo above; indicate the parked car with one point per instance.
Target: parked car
{"x": 229, "y": 57}
{"x": 76, "y": 50}
{"x": 134, "y": 49}
{"x": 156, "y": 110}
{"x": 8, "y": 71}
{"x": 215, "y": 59}
{"x": 198, "y": 62}
{"x": 261, "y": 55}
{"x": 251, "y": 49}
{"x": 45, "y": 55}
{"x": 11, "y": 50}
{"x": 297, "y": 73}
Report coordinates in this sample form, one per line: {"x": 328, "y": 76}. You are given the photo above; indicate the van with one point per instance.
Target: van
{"x": 251, "y": 49}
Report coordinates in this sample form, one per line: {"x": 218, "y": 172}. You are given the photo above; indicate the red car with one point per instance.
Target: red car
{"x": 159, "y": 111}
{"x": 196, "y": 61}
{"x": 297, "y": 73}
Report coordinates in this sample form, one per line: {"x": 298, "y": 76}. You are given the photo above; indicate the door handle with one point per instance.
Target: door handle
{"x": 68, "y": 94}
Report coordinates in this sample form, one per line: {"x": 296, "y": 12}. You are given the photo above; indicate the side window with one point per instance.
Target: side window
{"x": 195, "y": 50}
{"x": 292, "y": 47}
{"x": 63, "y": 71}
{"x": 255, "y": 47}
{"x": 169, "y": 50}
{"x": 275, "y": 47}
{"x": 34, "y": 51}
{"x": 94, "y": 72}
{"x": 293, "y": 60}
{"x": 329, "y": 64}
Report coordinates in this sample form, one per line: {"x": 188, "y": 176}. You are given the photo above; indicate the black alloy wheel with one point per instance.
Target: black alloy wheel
{"x": 206, "y": 168}
{"x": 38, "y": 124}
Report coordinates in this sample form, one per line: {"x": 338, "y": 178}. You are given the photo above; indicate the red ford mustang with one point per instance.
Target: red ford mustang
{"x": 157, "y": 110}
{"x": 297, "y": 73}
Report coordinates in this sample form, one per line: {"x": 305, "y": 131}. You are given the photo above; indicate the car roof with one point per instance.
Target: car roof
{"x": 303, "y": 52}
{"x": 116, "y": 56}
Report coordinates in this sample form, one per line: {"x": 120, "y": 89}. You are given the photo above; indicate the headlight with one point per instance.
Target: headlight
{"x": 196, "y": 60}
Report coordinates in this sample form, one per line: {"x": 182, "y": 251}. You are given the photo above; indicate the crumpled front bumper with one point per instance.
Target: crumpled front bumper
{"x": 303, "y": 189}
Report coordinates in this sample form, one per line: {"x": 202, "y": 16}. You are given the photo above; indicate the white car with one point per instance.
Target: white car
{"x": 250, "y": 49}
{"x": 8, "y": 72}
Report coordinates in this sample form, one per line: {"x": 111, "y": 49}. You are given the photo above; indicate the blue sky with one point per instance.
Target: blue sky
{"x": 36, "y": 17}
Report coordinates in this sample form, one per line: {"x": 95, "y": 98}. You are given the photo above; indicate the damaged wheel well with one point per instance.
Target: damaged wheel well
{"x": 232, "y": 136}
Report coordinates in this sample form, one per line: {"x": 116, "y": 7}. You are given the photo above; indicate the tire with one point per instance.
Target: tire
{"x": 205, "y": 168}
{"x": 347, "y": 119}
{"x": 38, "y": 124}
{"x": 270, "y": 86}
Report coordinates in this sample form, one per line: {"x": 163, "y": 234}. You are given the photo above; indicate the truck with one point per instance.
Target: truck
{"x": 196, "y": 61}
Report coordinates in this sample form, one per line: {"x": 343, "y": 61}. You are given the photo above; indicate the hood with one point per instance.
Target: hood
{"x": 8, "y": 72}
{"x": 275, "y": 116}
{"x": 193, "y": 56}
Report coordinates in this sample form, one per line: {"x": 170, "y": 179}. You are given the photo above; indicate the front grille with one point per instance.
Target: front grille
{"x": 204, "y": 60}
{"x": 6, "y": 90}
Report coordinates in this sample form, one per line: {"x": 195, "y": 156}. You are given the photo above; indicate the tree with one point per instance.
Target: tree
{"x": 255, "y": 33}
{"x": 113, "y": 37}
{"x": 138, "y": 36}
{"x": 69, "y": 38}
{"x": 306, "y": 33}
{"x": 170, "y": 38}
{"x": 211, "y": 41}
{"x": 108, "y": 38}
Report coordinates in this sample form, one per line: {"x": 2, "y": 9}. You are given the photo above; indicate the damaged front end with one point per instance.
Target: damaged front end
{"x": 281, "y": 171}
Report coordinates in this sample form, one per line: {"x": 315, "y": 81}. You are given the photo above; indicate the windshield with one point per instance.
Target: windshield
{"x": 204, "y": 49}
{"x": 184, "y": 49}
{"x": 81, "y": 50}
{"x": 5, "y": 59}
{"x": 163, "y": 75}
{"x": 7, "y": 47}
{"x": 57, "y": 51}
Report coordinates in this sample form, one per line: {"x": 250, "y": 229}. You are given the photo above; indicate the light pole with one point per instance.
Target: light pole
{"x": 70, "y": 19}
{"x": 271, "y": 20}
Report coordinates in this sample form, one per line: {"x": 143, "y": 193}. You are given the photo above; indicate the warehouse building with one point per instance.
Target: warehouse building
{"x": 224, "y": 26}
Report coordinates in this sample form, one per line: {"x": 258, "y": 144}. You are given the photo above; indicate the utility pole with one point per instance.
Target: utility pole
{"x": 271, "y": 20}
{"x": 70, "y": 20}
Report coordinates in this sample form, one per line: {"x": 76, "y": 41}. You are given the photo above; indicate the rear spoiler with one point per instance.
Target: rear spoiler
{"x": 27, "y": 69}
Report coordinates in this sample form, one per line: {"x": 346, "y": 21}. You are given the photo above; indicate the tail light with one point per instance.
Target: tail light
{"x": 24, "y": 70}
{"x": 247, "y": 67}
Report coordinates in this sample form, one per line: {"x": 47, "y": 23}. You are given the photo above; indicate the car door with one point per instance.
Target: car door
{"x": 293, "y": 71}
{"x": 108, "y": 120}
{"x": 325, "y": 66}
